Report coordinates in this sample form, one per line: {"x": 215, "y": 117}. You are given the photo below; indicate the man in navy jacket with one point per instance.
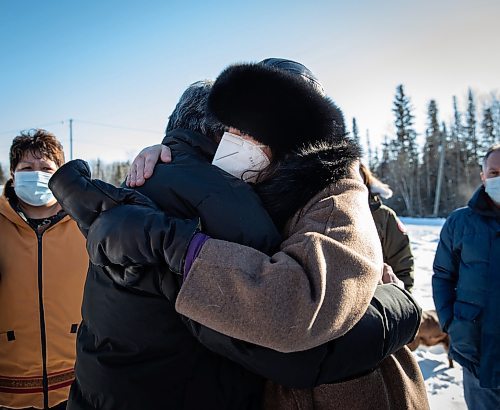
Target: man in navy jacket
{"x": 466, "y": 287}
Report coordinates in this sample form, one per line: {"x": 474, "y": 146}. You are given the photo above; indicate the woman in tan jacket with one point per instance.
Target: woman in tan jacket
{"x": 43, "y": 264}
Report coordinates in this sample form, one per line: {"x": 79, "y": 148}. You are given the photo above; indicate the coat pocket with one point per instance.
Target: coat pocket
{"x": 465, "y": 331}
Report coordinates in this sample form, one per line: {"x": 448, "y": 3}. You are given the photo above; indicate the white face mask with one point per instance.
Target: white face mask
{"x": 239, "y": 157}
{"x": 32, "y": 187}
{"x": 492, "y": 188}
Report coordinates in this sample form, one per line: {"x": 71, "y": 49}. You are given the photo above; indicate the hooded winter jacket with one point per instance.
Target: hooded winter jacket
{"x": 466, "y": 287}
{"x": 190, "y": 186}
{"x": 133, "y": 350}
{"x": 41, "y": 286}
{"x": 396, "y": 247}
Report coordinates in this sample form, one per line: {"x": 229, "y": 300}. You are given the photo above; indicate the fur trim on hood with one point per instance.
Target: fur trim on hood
{"x": 295, "y": 180}
{"x": 275, "y": 107}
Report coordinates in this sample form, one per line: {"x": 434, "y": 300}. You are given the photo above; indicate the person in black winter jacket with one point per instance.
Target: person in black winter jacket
{"x": 132, "y": 367}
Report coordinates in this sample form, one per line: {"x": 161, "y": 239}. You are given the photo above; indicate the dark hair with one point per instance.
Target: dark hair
{"x": 191, "y": 113}
{"x": 493, "y": 148}
{"x": 41, "y": 144}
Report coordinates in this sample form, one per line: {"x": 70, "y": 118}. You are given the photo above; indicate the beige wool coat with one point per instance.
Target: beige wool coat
{"x": 313, "y": 290}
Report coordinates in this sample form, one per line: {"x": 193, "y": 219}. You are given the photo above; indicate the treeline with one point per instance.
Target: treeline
{"x": 114, "y": 172}
{"x": 440, "y": 175}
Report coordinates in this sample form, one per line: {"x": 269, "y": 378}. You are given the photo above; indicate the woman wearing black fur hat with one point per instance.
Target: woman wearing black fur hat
{"x": 317, "y": 286}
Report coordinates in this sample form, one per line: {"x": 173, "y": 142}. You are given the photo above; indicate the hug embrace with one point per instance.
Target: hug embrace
{"x": 245, "y": 274}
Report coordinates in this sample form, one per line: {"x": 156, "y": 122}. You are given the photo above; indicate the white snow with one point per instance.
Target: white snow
{"x": 444, "y": 385}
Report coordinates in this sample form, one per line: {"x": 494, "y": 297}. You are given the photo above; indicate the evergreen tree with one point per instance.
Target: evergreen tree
{"x": 355, "y": 131}
{"x": 372, "y": 154}
{"x": 459, "y": 152}
{"x": 495, "y": 110}
{"x": 404, "y": 120}
{"x": 403, "y": 164}
{"x": 442, "y": 189}
{"x": 451, "y": 177}
{"x": 488, "y": 136}
{"x": 382, "y": 167}
{"x": 470, "y": 128}
{"x": 431, "y": 155}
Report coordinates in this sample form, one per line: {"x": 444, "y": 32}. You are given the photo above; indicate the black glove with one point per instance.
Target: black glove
{"x": 132, "y": 236}
{"x": 84, "y": 198}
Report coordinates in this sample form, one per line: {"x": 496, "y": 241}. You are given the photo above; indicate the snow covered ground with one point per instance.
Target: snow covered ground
{"x": 444, "y": 385}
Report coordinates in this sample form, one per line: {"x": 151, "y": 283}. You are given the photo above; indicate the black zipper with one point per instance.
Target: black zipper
{"x": 43, "y": 336}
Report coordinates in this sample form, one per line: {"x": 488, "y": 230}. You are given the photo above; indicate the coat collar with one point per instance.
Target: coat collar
{"x": 482, "y": 204}
{"x": 302, "y": 175}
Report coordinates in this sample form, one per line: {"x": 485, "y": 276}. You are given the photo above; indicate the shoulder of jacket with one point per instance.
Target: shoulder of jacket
{"x": 459, "y": 216}
{"x": 388, "y": 211}
{"x": 338, "y": 194}
{"x": 8, "y": 213}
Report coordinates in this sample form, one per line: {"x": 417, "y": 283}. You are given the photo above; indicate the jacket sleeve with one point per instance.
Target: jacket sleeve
{"x": 390, "y": 322}
{"x": 313, "y": 290}
{"x": 445, "y": 277}
{"x": 397, "y": 250}
{"x": 84, "y": 198}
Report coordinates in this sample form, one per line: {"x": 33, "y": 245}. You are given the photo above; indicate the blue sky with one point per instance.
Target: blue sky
{"x": 125, "y": 63}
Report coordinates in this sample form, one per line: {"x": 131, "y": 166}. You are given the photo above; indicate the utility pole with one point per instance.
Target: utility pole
{"x": 70, "y": 138}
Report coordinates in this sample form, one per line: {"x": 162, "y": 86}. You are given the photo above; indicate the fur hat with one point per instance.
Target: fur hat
{"x": 274, "y": 106}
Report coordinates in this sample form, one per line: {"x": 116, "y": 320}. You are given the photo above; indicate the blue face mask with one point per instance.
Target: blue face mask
{"x": 32, "y": 187}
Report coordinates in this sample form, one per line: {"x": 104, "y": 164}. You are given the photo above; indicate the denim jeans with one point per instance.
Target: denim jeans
{"x": 477, "y": 397}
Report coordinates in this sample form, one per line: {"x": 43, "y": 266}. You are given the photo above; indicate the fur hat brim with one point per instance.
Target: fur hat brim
{"x": 277, "y": 108}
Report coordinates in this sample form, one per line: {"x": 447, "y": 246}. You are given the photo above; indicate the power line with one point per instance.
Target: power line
{"x": 28, "y": 128}
{"x": 121, "y": 127}
{"x": 100, "y": 124}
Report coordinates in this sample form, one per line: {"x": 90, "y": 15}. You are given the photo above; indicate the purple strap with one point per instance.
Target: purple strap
{"x": 193, "y": 251}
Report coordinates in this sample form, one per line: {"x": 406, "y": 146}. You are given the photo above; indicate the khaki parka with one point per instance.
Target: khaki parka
{"x": 396, "y": 246}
